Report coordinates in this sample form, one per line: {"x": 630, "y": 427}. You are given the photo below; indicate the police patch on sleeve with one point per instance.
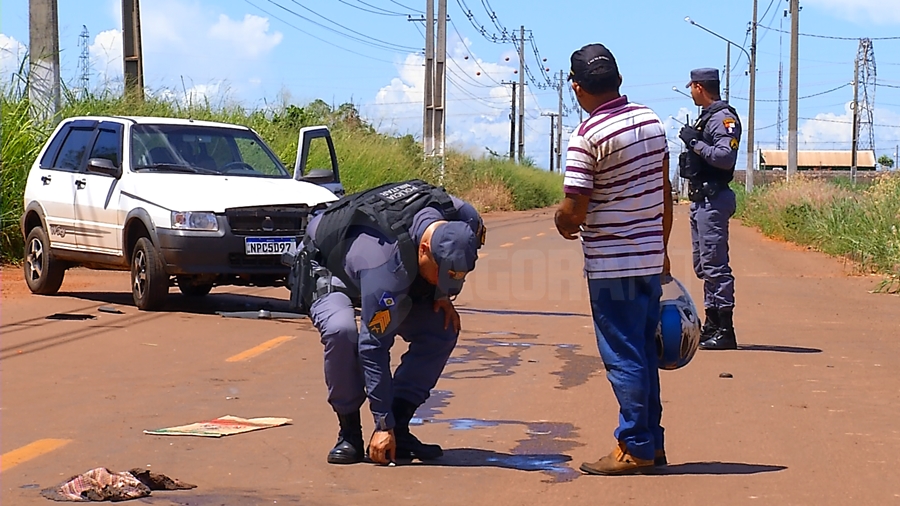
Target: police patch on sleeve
{"x": 387, "y": 300}
{"x": 729, "y": 124}
{"x": 380, "y": 322}
{"x": 734, "y": 144}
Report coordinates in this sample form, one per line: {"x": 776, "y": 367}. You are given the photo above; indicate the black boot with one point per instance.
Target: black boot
{"x": 409, "y": 446}
{"x": 711, "y": 325}
{"x": 724, "y": 338}
{"x": 349, "y": 448}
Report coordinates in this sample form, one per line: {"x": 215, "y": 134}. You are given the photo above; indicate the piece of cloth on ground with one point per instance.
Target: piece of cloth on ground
{"x": 101, "y": 484}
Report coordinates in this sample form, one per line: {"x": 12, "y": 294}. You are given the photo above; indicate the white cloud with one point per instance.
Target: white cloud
{"x": 877, "y": 11}
{"x": 477, "y": 105}
{"x": 106, "y": 57}
{"x": 249, "y": 38}
{"x": 12, "y": 52}
{"x": 834, "y": 131}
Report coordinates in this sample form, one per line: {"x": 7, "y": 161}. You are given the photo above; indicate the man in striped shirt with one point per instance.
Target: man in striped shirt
{"x": 618, "y": 200}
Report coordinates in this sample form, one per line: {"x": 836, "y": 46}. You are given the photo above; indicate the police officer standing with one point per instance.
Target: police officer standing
{"x": 708, "y": 165}
{"x": 400, "y": 253}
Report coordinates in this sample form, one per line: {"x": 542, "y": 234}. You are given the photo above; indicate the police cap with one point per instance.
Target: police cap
{"x": 700, "y": 75}
{"x": 454, "y": 247}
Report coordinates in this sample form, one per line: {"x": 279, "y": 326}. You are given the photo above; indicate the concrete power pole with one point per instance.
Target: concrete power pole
{"x": 521, "y": 93}
{"x": 854, "y": 136}
{"x": 131, "y": 49}
{"x": 792, "y": 89}
{"x": 552, "y": 116}
{"x": 440, "y": 82}
{"x": 43, "y": 35}
{"x": 512, "y": 121}
{"x": 728, "y": 70}
{"x": 751, "y": 151}
{"x": 559, "y": 128}
{"x": 428, "y": 116}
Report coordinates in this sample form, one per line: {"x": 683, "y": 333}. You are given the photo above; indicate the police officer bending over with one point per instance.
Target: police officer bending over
{"x": 400, "y": 252}
{"x": 708, "y": 165}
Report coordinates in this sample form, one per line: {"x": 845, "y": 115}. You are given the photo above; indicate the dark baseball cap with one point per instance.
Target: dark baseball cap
{"x": 592, "y": 60}
{"x": 455, "y": 249}
{"x": 699, "y": 75}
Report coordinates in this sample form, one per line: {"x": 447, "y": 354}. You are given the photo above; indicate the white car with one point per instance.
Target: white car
{"x": 175, "y": 201}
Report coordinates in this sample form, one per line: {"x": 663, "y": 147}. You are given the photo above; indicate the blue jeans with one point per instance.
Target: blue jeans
{"x": 626, "y": 316}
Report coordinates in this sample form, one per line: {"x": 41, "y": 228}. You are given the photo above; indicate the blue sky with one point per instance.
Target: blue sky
{"x": 258, "y": 53}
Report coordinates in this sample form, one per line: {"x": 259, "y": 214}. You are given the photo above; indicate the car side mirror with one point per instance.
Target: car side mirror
{"x": 318, "y": 176}
{"x": 104, "y": 166}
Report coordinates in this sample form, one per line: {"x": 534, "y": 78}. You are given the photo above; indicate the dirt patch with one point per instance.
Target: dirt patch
{"x": 12, "y": 284}
{"x": 489, "y": 197}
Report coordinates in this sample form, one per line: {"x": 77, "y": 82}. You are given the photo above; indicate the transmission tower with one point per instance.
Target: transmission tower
{"x": 866, "y": 103}
{"x": 84, "y": 61}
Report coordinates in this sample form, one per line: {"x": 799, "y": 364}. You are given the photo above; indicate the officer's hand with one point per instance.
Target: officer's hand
{"x": 687, "y": 134}
{"x": 383, "y": 446}
{"x": 450, "y": 314}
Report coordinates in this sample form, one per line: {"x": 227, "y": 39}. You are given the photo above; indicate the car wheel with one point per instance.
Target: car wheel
{"x": 191, "y": 289}
{"x": 43, "y": 274}
{"x": 149, "y": 281}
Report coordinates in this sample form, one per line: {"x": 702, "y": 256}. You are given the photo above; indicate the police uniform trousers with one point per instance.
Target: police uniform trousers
{"x": 430, "y": 345}
{"x": 709, "y": 234}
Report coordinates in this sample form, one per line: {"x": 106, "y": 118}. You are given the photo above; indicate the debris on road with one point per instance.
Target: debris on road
{"x": 262, "y": 314}
{"x": 110, "y": 309}
{"x": 726, "y": 375}
{"x": 223, "y": 426}
{"x": 101, "y": 484}
{"x": 71, "y": 316}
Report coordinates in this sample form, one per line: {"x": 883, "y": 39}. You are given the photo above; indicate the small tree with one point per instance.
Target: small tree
{"x": 886, "y": 161}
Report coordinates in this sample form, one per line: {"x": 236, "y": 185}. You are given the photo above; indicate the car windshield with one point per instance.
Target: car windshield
{"x": 202, "y": 150}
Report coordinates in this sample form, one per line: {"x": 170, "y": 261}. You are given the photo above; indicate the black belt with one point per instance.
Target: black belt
{"x": 700, "y": 191}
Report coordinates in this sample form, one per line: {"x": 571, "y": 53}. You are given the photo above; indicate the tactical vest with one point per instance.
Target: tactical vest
{"x": 692, "y": 166}
{"x": 388, "y": 209}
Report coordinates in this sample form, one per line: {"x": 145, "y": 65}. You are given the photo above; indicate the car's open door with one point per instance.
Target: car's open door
{"x": 327, "y": 177}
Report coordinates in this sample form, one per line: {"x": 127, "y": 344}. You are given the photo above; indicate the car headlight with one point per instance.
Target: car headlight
{"x": 194, "y": 221}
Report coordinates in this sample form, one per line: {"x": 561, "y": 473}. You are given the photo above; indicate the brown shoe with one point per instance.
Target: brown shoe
{"x": 659, "y": 460}
{"x": 619, "y": 461}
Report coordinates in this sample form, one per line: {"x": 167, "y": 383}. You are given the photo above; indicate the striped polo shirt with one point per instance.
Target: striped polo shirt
{"x": 616, "y": 156}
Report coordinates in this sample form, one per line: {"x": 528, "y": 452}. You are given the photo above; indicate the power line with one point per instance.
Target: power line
{"x": 404, "y": 6}
{"x": 802, "y": 98}
{"x": 847, "y": 122}
{"x": 831, "y": 37}
{"x": 474, "y": 59}
{"x": 380, "y": 11}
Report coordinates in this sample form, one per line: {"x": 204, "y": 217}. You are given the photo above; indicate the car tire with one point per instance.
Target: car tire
{"x": 43, "y": 273}
{"x": 149, "y": 281}
{"x": 189, "y": 289}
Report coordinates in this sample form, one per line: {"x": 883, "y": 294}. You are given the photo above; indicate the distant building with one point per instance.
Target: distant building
{"x": 770, "y": 159}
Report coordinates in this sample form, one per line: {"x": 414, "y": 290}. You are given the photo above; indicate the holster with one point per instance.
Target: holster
{"x": 700, "y": 191}
{"x": 307, "y": 280}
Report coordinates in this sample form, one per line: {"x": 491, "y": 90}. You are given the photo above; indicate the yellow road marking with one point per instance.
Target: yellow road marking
{"x": 506, "y": 245}
{"x": 541, "y": 234}
{"x": 259, "y": 350}
{"x": 526, "y": 238}
{"x": 482, "y": 255}
{"x": 15, "y": 457}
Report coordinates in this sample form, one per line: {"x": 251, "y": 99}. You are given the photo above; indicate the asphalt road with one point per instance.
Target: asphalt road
{"x": 809, "y": 417}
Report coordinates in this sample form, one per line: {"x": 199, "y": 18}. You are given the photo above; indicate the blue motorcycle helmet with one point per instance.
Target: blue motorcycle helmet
{"x": 678, "y": 335}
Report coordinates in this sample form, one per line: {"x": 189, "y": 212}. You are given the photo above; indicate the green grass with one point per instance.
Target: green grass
{"x": 861, "y": 223}
{"x": 366, "y": 158}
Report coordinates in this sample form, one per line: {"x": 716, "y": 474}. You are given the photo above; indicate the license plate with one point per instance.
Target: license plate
{"x": 267, "y": 245}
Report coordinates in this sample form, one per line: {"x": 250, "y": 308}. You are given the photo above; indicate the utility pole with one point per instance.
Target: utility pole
{"x": 84, "y": 61}
{"x": 512, "y": 121}
{"x": 751, "y": 123}
{"x": 728, "y": 70}
{"x": 854, "y": 137}
{"x": 559, "y": 128}
{"x": 792, "y": 90}
{"x": 131, "y": 49}
{"x": 43, "y": 35}
{"x": 521, "y": 93}
{"x": 552, "y": 116}
{"x": 779, "y": 143}
{"x": 428, "y": 116}
{"x": 440, "y": 82}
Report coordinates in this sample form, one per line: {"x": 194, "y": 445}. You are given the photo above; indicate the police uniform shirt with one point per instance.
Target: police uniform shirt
{"x": 721, "y": 139}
